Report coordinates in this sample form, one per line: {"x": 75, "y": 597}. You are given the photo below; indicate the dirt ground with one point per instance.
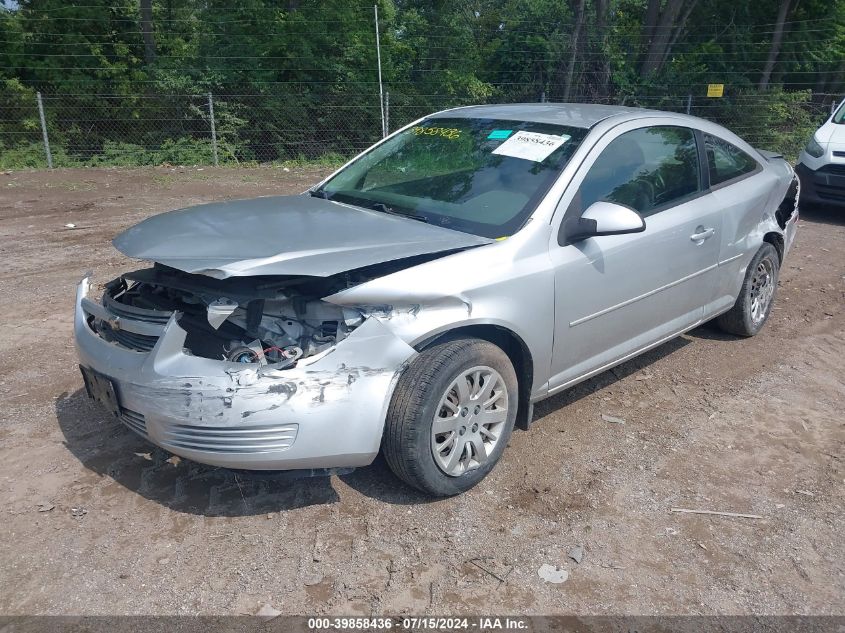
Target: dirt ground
{"x": 91, "y": 526}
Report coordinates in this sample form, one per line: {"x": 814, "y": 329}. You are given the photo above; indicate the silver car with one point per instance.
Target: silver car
{"x": 422, "y": 298}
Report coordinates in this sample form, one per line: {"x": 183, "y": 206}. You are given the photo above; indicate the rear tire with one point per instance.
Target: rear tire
{"x": 756, "y": 297}
{"x": 468, "y": 389}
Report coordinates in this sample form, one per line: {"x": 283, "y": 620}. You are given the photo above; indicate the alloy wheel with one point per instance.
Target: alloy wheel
{"x": 469, "y": 420}
{"x": 762, "y": 289}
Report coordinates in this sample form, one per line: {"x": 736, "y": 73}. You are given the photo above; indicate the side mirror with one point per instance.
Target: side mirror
{"x": 606, "y": 218}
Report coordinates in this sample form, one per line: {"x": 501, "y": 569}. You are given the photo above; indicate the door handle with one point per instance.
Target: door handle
{"x": 702, "y": 234}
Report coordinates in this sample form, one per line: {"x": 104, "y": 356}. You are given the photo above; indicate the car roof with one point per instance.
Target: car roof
{"x": 583, "y": 115}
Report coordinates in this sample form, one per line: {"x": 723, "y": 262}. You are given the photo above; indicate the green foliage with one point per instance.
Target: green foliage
{"x": 118, "y": 154}
{"x": 27, "y": 156}
{"x": 331, "y": 159}
{"x": 297, "y": 81}
{"x": 783, "y": 122}
{"x": 32, "y": 156}
{"x": 114, "y": 154}
{"x": 183, "y": 151}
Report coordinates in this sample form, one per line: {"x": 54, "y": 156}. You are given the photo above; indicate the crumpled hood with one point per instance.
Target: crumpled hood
{"x": 283, "y": 235}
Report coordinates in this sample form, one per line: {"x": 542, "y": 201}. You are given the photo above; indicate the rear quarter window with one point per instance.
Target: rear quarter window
{"x": 726, "y": 161}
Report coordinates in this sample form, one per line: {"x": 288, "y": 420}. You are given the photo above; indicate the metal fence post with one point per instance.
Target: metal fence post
{"x": 44, "y": 130}
{"x": 380, "y": 87}
{"x": 213, "y": 128}
{"x": 689, "y": 103}
{"x": 386, "y": 112}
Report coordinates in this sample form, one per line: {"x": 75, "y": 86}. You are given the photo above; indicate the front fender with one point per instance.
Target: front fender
{"x": 518, "y": 298}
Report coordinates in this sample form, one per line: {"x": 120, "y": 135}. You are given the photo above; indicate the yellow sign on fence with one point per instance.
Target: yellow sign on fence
{"x": 715, "y": 90}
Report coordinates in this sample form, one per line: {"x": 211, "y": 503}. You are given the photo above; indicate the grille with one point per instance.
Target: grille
{"x": 827, "y": 192}
{"x": 834, "y": 169}
{"x": 137, "y": 342}
{"x": 236, "y": 440}
{"x": 136, "y": 314}
{"x": 134, "y": 421}
{"x": 839, "y": 154}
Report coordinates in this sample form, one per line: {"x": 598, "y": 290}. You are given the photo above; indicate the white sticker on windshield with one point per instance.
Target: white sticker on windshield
{"x": 531, "y": 145}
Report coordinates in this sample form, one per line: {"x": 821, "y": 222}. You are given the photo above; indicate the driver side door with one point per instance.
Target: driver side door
{"x": 616, "y": 295}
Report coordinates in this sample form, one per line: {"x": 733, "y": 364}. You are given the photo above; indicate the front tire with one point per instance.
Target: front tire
{"x": 757, "y": 295}
{"x": 451, "y": 416}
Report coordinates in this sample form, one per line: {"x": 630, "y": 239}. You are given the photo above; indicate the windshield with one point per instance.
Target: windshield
{"x": 839, "y": 117}
{"x": 480, "y": 176}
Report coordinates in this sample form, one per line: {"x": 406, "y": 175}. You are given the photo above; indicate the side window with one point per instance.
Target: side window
{"x": 725, "y": 161}
{"x": 645, "y": 169}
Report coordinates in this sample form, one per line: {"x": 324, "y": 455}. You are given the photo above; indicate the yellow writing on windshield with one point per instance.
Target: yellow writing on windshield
{"x": 445, "y": 132}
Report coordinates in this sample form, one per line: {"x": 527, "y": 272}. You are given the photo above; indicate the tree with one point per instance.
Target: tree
{"x": 576, "y": 32}
{"x": 663, "y": 24}
{"x": 295, "y": 78}
{"x": 600, "y": 46}
{"x": 786, "y": 6}
{"x": 146, "y": 11}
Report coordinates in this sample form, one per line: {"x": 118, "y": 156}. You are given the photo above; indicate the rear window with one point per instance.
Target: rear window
{"x": 726, "y": 161}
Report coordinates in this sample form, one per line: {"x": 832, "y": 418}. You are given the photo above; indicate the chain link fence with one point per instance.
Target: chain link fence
{"x": 280, "y": 124}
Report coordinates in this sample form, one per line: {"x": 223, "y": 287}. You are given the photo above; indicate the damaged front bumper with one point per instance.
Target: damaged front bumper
{"x": 326, "y": 412}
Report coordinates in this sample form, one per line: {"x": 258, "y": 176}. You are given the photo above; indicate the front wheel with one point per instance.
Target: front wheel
{"x": 451, "y": 416}
{"x": 757, "y": 295}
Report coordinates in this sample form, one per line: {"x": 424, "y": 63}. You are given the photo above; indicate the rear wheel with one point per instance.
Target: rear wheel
{"x": 451, "y": 416}
{"x": 757, "y": 295}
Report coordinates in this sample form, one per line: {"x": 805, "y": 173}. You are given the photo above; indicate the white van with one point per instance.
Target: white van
{"x": 821, "y": 165}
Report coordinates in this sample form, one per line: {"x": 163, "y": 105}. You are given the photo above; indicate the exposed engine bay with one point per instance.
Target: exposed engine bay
{"x": 269, "y": 320}
{"x": 265, "y": 320}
